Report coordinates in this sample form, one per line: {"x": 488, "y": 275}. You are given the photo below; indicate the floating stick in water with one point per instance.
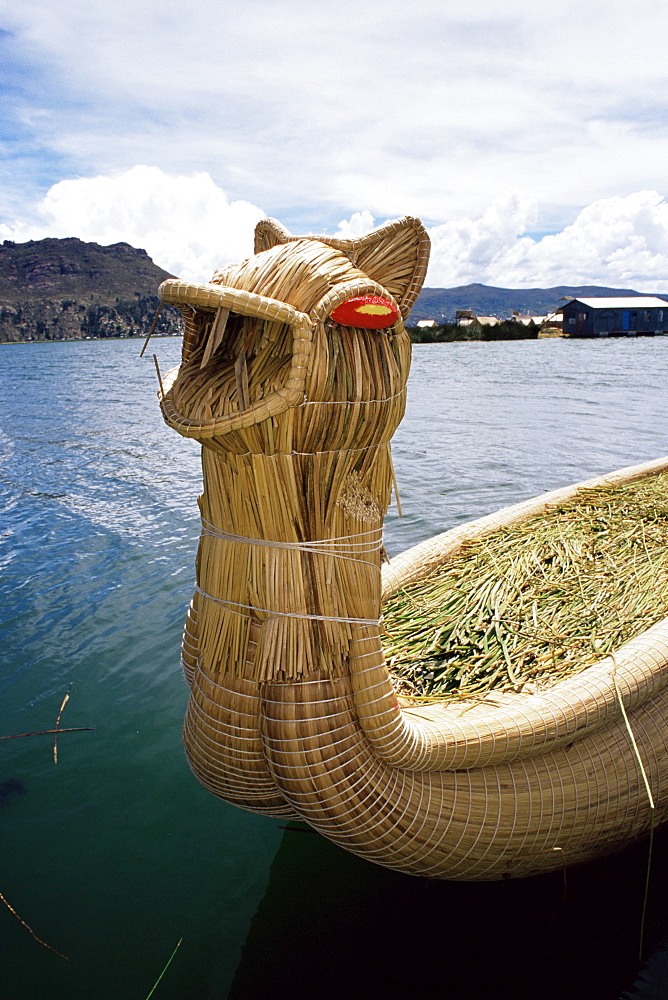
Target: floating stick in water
{"x": 31, "y": 931}
{"x": 55, "y": 738}
{"x": 46, "y": 732}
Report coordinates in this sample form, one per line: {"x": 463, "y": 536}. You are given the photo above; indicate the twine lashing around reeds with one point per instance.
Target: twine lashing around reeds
{"x": 273, "y": 613}
{"x": 344, "y": 547}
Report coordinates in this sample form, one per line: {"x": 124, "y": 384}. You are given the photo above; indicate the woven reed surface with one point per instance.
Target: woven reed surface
{"x": 315, "y": 466}
{"x": 519, "y": 818}
{"x": 292, "y": 709}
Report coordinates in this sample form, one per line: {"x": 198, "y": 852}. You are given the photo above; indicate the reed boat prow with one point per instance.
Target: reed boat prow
{"x": 293, "y": 378}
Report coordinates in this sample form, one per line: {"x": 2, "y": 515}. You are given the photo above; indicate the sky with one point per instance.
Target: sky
{"x": 530, "y": 138}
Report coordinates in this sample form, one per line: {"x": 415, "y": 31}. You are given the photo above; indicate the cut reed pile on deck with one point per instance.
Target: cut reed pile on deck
{"x": 536, "y": 602}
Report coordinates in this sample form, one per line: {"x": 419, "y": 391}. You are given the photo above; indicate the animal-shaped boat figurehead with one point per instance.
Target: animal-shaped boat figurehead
{"x": 294, "y": 379}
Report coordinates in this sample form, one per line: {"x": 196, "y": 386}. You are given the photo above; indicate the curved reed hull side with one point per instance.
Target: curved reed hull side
{"x": 223, "y": 747}
{"x": 451, "y": 735}
{"x": 528, "y": 816}
{"x": 432, "y": 791}
{"x": 221, "y": 733}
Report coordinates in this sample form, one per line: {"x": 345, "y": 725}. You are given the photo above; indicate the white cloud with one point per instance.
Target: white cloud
{"x": 358, "y": 224}
{"x": 615, "y": 242}
{"x": 189, "y": 226}
{"x": 434, "y": 110}
{"x": 465, "y": 249}
{"x": 618, "y": 242}
{"x": 185, "y": 223}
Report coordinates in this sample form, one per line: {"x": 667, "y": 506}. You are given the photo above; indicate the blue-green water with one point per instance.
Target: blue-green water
{"x": 115, "y": 853}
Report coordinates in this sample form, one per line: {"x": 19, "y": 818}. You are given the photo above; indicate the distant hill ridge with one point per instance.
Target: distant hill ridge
{"x": 54, "y": 289}
{"x": 44, "y": 268}
{"x": 66, "y": 289}
{"x": 441, "y": 304}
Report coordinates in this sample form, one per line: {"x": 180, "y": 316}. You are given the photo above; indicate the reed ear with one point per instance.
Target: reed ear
{"x": 396, "y": 256}
{"x": 270, "y": 233}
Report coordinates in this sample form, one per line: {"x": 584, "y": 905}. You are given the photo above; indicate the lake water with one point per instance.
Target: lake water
{"x": 115, "y": 853}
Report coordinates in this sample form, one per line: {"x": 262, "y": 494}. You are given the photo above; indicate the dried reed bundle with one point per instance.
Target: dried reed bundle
{"x": 295, "y": 413}
{"x": 297, "y": 475}
{"x": 536, "y": 602}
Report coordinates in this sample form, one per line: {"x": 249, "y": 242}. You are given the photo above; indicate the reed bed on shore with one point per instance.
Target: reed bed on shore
{"x": 538, "y": 602}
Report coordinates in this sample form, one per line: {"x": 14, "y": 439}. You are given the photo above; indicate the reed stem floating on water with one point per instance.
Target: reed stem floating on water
{"x": 60, "y": 712}
{"x": 169, "y": 962}
{"x": 47, "y": 732}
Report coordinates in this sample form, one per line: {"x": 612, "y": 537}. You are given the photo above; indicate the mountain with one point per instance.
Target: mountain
{"x": 57, "y": 289}
{"x": 441, "y": 304}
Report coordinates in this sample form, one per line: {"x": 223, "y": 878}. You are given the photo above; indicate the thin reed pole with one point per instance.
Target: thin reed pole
{"x": 395, "y": 485}
{"x": 151, "y": 329}
{"x": 157, "y": 369}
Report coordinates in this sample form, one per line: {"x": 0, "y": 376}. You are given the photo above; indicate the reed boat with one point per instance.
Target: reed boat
{"x": 293, "y": 379}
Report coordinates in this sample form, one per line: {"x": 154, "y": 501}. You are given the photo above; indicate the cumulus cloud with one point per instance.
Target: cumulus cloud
{"x": 316, "y": 110}
{"x": 358, "y": 224}
{"x": 616, "y": 242}
{"x": 186, "y": 224}
{"x": 189, "y": 226}
{"x": 464, "y": 249}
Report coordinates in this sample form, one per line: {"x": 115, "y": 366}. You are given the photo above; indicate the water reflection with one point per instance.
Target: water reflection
{"x": 331, "y": 925}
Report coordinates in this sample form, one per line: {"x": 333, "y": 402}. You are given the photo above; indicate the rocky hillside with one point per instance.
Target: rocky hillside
{"x": 66, "y": 289}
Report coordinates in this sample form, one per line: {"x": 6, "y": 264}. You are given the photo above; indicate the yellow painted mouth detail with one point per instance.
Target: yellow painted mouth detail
{"x": 372, "y": 309}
